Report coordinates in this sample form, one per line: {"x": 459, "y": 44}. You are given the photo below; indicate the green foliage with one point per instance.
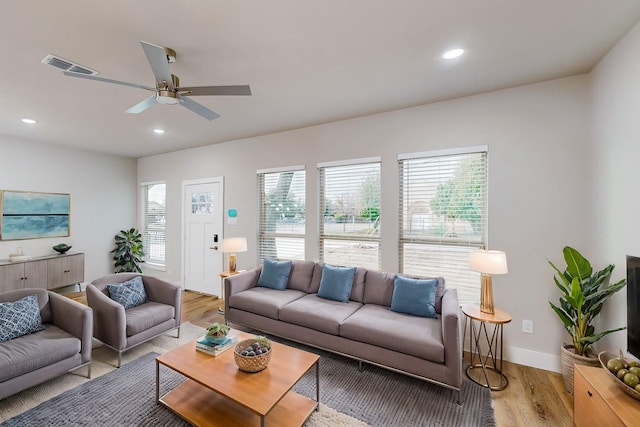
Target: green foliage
{"x": 369, "y": 201}
{"x": 460, "y": 198}
{"x": 217, "y": 329}
{"x": 129, "y": 251}
{"x": 583, "y": 296}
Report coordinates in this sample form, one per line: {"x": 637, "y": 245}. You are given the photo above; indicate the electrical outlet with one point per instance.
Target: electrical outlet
{"x": 527, "y": 326}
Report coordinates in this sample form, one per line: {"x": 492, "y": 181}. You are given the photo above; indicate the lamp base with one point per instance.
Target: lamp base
{"x": 486, "y": 295}
{"x": 232, "y": 263}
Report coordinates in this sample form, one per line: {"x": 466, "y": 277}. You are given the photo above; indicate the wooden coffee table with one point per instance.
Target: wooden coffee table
{"x": 217, "y": 393}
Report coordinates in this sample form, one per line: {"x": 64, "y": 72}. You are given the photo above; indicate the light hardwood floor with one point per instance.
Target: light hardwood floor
{"x": 534, "y": 397}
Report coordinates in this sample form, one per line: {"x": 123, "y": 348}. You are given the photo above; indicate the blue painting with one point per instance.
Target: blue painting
{"x": 28, "y": 215}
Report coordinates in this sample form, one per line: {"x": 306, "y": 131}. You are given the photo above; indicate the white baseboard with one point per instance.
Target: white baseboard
{"x": 535, "y": 359}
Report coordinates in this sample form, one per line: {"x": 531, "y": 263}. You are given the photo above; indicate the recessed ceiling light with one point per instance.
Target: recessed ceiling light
{"x": 29, "y": 121}
{"x": 159, "y": 131}
{"x": 453, "y": 53}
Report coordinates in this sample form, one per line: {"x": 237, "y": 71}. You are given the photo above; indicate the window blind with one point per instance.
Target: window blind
{"x": 350, "y": 214}
{"x": 443, "y": 217}
{"x": 281, "y": 218}
{"x": 154, "y": 232}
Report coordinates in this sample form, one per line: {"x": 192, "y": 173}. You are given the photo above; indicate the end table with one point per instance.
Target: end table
{"x": 487, "y": 371}
{"x": 224, "y": 275}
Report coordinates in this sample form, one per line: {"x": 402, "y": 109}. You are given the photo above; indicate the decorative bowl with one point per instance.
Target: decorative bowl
{"x": 61, "y": 248}
{"x": 252, "y": 363}
{"x": 215, "y": 340}
{"x": 604, "y": 357}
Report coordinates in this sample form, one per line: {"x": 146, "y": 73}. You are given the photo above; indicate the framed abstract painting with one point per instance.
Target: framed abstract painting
{"x": 30, "y": 215}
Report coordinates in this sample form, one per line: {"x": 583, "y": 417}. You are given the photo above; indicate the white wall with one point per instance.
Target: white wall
{"x": 539, "y": 175}
{"x": 616, "y": 171}
{"x": 102, "y": 189}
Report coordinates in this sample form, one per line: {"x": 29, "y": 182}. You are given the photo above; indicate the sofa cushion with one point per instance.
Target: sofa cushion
{"x": 317, "y": 313}
{"x": 301, "y": 275}
{"x": 413, "y": 335}
{"x": 378, "y": 288}
{"x": 264, "y": 301}
{"x": 30, "y": 352}
{"x": 413, "y": 296}
{"x": 336, "y": 282}
{"x": 128, "y": 294}
{"x": 18, "y": 318}
{"x": 145, "y": 316}
{"x": 274, "y": 274}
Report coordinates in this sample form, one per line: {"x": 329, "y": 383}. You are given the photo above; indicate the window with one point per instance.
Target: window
{"x": 350, "y": 213}
{"x": 281, "y": 228}
{"x": 153, "y": 233}
{"x": 443, "y": 216}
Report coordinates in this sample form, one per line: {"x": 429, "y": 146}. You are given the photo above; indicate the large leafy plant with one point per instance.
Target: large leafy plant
{"x": 584, "y": 293}
{"x": 129, "y": 251}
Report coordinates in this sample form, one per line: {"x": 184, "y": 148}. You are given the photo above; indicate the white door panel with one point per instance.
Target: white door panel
{"x": 203, "y": 213}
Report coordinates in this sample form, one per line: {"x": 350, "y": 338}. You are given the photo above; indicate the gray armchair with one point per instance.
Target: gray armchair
{"x": 64, "y": 345}
{"x": 123, "y": 329}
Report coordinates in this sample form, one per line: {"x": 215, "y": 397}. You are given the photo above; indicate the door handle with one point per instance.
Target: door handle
{"x": 215, "y": 248}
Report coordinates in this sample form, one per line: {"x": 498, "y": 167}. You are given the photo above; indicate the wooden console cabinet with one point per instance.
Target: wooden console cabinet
{"x": 597, "y": 400}
{"x": 46, "y": 272}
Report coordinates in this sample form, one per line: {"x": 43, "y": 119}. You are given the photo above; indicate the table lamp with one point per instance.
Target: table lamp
{"x": 232, "y": 246}
{"x": 487, "y": 263}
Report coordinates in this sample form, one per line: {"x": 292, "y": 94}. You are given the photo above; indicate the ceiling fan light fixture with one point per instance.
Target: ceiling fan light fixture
{"x": 166, "y": 97}
{"x": 453, "y": 53}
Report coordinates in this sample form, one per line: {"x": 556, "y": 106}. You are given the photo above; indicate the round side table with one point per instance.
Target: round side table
{"x": 487, "y": 370}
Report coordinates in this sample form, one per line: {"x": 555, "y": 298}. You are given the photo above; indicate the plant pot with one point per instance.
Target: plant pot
{"x": 568, "y": 358}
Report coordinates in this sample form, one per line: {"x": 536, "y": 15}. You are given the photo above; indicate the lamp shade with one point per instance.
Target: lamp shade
{"x": 488, "y": 262}
{"x": 234, "y": 245}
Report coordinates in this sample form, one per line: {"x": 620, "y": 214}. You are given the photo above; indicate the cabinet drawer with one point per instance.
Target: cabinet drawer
{"x": 589, "y": 408}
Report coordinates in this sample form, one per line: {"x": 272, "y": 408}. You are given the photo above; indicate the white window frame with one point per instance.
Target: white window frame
{"x": 337, "y": 239}
{"x": 297, "y": 236}
{"x": 423, "y": 254}
{"x": 149, "y": 262}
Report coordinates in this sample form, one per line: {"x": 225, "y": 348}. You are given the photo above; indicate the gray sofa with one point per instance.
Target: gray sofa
{"x": 363, "y": 328}
{"x": 64, "y": 344}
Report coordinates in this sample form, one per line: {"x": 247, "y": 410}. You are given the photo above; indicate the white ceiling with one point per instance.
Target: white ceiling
{"x": 308, "y": 62}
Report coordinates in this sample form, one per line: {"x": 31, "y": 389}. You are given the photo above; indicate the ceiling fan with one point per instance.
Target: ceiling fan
{"x": 167, "y": 88}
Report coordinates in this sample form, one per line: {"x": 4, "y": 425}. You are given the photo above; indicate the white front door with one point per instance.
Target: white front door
{"x": 203, "y": 213}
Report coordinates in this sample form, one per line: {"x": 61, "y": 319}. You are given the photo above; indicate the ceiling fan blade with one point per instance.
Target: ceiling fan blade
{"x": 157, "y": 57}
{"x": 217, "y": 90}
{"x": 102, "y": 79}
{"x": 144, "y": 105}
{"x": 198, "y": 108}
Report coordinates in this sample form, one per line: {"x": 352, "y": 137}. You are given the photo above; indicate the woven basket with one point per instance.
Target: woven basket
{"x": 568, "y": 358}
{"x": 250, "y": 363}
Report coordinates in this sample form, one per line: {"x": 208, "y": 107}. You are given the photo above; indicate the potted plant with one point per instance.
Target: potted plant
{"x": 217, "y": 332}
{"x": 583, "y": 294}
{"x": 129, "y": 251}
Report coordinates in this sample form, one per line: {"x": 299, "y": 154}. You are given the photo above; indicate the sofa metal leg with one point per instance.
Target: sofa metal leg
{"x": 178, "y": 336}
{"x": 360, "y": 367}
{"x": 89, "y": 371}
{"x": 119, "y": 358}
{"x": 459, "y": 402}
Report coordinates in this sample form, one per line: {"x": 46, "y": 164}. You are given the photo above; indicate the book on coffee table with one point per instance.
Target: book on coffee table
{"x": 204, "y": 346}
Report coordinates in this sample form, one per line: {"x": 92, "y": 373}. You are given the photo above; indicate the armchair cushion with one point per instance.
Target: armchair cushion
{"x": 146, "y": 316}
{"x": 20, "y": 318}
{"x": 129, "y": 294}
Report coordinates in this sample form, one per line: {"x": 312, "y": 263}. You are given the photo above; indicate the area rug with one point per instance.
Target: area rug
{"x": 381, "y": 397}
{"x": 119, "y": 397}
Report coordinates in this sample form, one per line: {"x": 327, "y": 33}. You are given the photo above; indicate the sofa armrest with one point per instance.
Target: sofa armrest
{"x": 451, "y": 335}
{"x": 240, "y": 282}
{"x": 109, "y": 318}
{"x": 75, "y": 318}
{"x": 164, "y": 292}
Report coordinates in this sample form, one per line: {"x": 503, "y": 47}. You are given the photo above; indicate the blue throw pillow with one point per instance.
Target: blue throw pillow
{"x": 18, "y": 318}
{"x": 336, "y": 282}
{"x": 414, "y": 296}
{"x": 128, "y": 294}
{"x": 274, "y": 274}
